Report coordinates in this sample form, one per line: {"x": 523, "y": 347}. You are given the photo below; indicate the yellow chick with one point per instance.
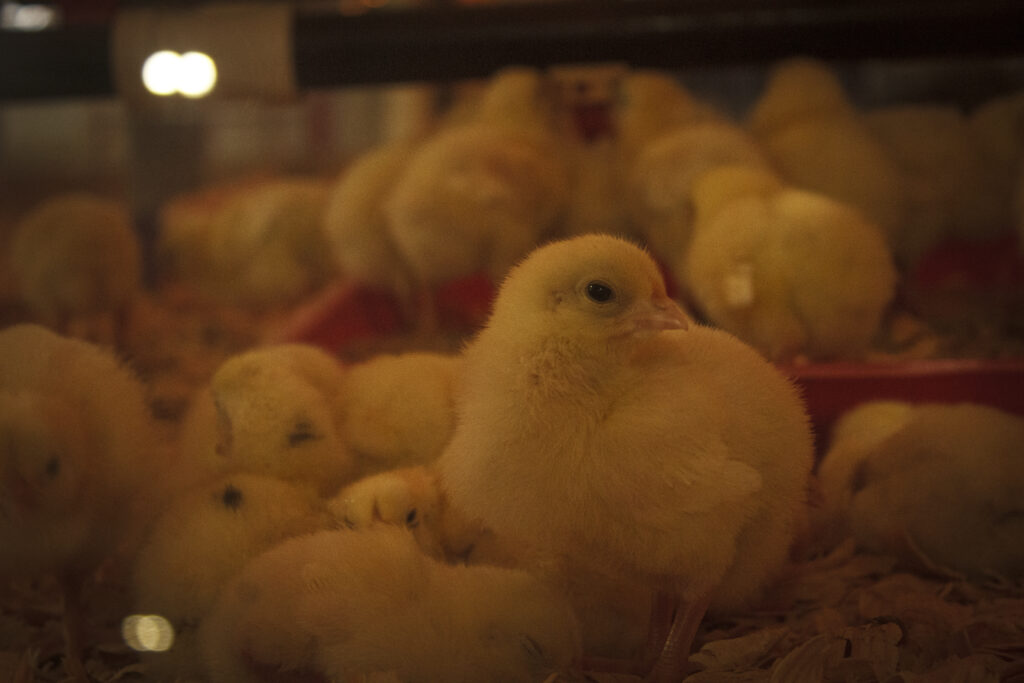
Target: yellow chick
{"x": 488, "y": 189}
{"x": 267, "y": 243}
{"x": 597, "y": 423}
{"x": 818, "y": 141}
{"x": 342, "y": 605}
{"x": 77, "y": 265}
{"x": 271, "y": 410}
{"x": 82, "y": 470}
{"x": 789, "y": 271}
{"x": 203, "y": 538}
{"x": 952, "y": 193}
{"x": 943, "y": 489}
{"x": 398, "y": 409}
{"x": 661, "y": 180}
{"x": 406, "y": 497}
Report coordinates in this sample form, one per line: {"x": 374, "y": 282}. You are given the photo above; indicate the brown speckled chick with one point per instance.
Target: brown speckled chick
{"x": 599, "y": 424}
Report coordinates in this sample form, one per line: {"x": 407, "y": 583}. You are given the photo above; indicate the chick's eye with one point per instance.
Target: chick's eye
{"x": 599, "y": 292}
{"x": 52, "y": 468}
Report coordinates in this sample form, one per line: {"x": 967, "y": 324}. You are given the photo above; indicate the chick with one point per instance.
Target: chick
{"x": 941, "y": 487}
{"x": 342, "y": 605}
{"x": 818, "y": 141}
{"x": 267, "y": 243}
{"x": 398, "y": 409}
{"x": 788, "y": 271}
{"x": 77, "y": 266}
{"x": 661, "y": 180}
{"x": 596, "y": 422}
{"x": 271, "y": 410}
{"x": 203, "y": 538}
{"x": 952, "y": 193}
{"x": 82, "y": 470}
{"x": 488, "y": 189}
{"x": 407, "y": 497}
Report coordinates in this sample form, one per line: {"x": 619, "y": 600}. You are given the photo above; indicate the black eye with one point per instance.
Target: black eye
{"x": 301, "y": 432}
{"x": 232, "y": 497}
{"x": 599, "y": 292}
{"x": 412, "y": 519}
{"x": 52, "y": 468}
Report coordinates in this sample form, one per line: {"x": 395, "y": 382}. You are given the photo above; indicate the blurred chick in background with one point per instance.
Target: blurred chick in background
{"x": 343, "y": 605}
{"x": 488, "y": 186}
{"x": 818, "y": 141}
{"x": 77, "y": 266}
{"x": 201, "y": 540}
{"x": 951, "y": 192}
{"x": 82, "y": 470}
{"x": 271, "y": 410}
{"x": 398, "y": 409}
{"x": 789, "y": 271}
{"x": 940, "y": 486}
{"x": 598, "y": 424}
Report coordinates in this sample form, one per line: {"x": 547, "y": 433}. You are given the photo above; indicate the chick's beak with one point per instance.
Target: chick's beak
{"x": 658, "y": 313}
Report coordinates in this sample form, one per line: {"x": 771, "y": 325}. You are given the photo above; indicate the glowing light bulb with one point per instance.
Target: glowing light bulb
{"x": 160, "y": 72}
{"x": 147, "y": 633}
{"x": 197, "y": 74}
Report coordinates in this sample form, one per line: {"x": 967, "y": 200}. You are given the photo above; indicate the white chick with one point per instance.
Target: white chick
{"x": 661, "y": 180}
{"x": 818, "y": 141}
{"x": 356, "y": 226}
{"x": 267, "y": 243}
{"x": 789, "y": 271}
{"x": 407, "y": 497}
{"x": 597, "y": 423}
{"x": 488, "y": 189}
{"x": 944, "y": 488}
{"x": 952, "y": 193}
{"x": 271, "y": 410}
{"x": 77, "y": 265}
{"x": 81, "y": 467}
{"x": 398, "y": 409}
{"x": 203, "y": 538}
{"x": 342, "y": 605}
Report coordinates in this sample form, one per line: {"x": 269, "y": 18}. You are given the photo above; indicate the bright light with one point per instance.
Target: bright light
{"x": 147, "y": 633}
{"x": 192, "y": 74}
{"x": 28, "y": 16}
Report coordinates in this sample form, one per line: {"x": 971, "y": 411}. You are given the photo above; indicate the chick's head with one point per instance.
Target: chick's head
{"x": 596, "y": 289}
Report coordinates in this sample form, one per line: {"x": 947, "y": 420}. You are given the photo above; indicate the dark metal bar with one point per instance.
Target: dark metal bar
{"x": 445, "y": 43}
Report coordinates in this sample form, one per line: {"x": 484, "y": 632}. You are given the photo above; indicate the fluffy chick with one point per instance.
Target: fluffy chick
{"x": 81, "y": 467}
{"x": 488, "y": 189}
{"x": 941, "y": 486}
{"x": 267, "y": 243}
{"x": 818, "y": 141}
{"x": 952, "y": 193}
{"x": 597, "y": 423}
{"x": 77, "y": 265}
{"x": 406, "y": 497}
{"x": 790, "y": 271}
{"x": 345, "y": 604}
{"x": 203, "y": 538}
{"x": 398, "y": 409}
{"x": 271, "y": 410}
{"x": 661, "y": 180}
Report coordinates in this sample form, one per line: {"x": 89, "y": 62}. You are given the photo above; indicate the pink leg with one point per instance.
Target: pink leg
{"x": 72, "y": 623}
{"x": 664, "y": 607}
{"x": 672, "y": 665}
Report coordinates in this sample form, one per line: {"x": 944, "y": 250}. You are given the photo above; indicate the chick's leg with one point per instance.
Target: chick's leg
{"x": 73, "y": 626}
{"x": 672, "y": 664}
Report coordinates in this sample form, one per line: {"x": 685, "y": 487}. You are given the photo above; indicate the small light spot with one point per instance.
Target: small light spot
{"x": 147, "y": 633}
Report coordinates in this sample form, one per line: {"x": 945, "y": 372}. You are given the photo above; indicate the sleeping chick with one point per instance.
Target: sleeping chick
{"x": 77, "y": 266}
{"x": 818, "y": 141}
{"x": 406, "y": 497}
{"x": 341, "y": 605}
{"x": 599, "y": 424}
{"x": 271, "y": 410}
{"x": 943, "y": 489}
{"x": 788, "y": 271}
{"x": 488, "y": 189}
{"x": 82, "y": 470}
{"x": 203, "y": 538}
{"x": 952, "y": 190}
{"x": 661, "y": 180}
{"x": 398, "y": 409}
